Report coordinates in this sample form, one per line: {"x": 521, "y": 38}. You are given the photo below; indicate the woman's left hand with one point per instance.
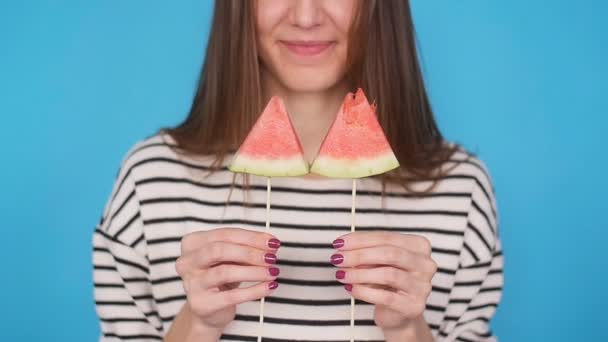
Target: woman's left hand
{"x": 391, "y": 270}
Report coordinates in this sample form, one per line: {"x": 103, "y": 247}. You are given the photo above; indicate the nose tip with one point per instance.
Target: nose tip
{"x": 305, "y": 13}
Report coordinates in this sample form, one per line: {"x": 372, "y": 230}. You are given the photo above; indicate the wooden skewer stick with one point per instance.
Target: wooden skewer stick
{"x": 268, "y": 188}
{"x": 352, "y": 229}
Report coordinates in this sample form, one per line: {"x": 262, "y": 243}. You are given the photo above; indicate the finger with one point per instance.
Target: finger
{"x": 223, "y": 252}
{"x": 356, "y": 240}
{"x": 226, "y": 274}
{"x": 229, "y": 286}
{"x": 260, "y": 240}
{"x": 409, "y": 306}
{"x": 208, "y": 302}
{"x": 388, "y": 276}
{"x": 246, "y": 294}
{"x": 385, "y": 255}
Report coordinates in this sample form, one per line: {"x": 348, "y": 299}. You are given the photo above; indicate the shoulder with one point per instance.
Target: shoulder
{"x": 159, "y": 145}
{"x": 160, "y": 154}
{"x": 466, "y": 165}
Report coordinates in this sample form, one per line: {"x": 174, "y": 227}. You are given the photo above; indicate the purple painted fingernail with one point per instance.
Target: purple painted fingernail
{"x": 349, "y": 287}
{"x": 274, "y": 243}
{"x": 337, "y": 259}
{"x": 270, "y": 258}
{"x": 338, "y": 243}
{"x": 273, "y": 285}
{"x": 340, "y": 274}
{"x": 274, "y": 271}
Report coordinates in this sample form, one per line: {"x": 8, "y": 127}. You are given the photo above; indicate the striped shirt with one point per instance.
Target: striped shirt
{"x": 159, "y": 196}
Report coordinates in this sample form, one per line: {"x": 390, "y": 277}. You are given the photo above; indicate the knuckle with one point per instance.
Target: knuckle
{"x": 433, "y": 266}
{"x": 186, "y": 242}
{"x": 232, "y": 297}
{"x": 418, "y": 307}
{"x": 254, "y": 256}
{"x": 222, "y": 234}
{"x": 215, "y": 251}
{"x": 426, "y": 289}
{"x": 351, "y": 275}
{"x": 392, "y": 276}
{"x": 186, "y": 286}
{"x": 425, "y": 245}
{"x": 394, "y": 254}
{"x": 181, "y": 266}
{"x": 386, "y": 298}
{"x": 221, "y": 273}
{"x": 353, "y": 258}
{"x": 386, "y": 236}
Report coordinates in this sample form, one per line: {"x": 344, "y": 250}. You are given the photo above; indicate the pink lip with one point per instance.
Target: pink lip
{"x": 307, "y": 48}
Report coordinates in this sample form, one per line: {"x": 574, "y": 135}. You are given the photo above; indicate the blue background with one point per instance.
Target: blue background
{"x": 523, "y": 83}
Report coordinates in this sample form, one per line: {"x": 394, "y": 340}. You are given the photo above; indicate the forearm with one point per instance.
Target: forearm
{"x": 184, "y": 329}
{"x": 416, "y": 331}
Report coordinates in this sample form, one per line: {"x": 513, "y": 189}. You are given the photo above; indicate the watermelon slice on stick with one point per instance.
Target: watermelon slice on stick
{"x": 271, "y": 149}
{"x": 355, "y": 146}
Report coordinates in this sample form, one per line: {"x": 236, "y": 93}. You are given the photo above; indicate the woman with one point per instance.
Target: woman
{"x": 181, "y": 255}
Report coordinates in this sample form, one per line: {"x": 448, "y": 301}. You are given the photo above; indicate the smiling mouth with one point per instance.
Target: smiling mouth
{"x": 307, "y": 48}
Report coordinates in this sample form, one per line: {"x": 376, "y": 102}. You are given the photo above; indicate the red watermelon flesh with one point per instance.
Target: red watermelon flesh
{"x": 272, "y": 148}
{"x": 355, "y": 145}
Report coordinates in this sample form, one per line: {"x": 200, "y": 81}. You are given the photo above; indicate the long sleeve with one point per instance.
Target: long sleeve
{"x": 479, "y": 279}
{"x": 123, "y": 294}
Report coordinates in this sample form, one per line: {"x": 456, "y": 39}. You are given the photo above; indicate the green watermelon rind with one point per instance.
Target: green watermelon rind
{"x": 270, "y": 168}
{"x": 354, "y": 168}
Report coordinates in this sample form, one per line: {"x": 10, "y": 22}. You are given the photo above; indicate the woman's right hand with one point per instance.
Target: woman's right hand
{"x": 213, "y": 264}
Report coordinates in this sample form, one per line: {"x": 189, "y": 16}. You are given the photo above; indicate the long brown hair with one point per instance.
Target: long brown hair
{"x": 382, "y": 59}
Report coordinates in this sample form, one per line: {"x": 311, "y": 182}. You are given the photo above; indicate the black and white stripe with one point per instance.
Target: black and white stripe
{"x": 159, "y": 196}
